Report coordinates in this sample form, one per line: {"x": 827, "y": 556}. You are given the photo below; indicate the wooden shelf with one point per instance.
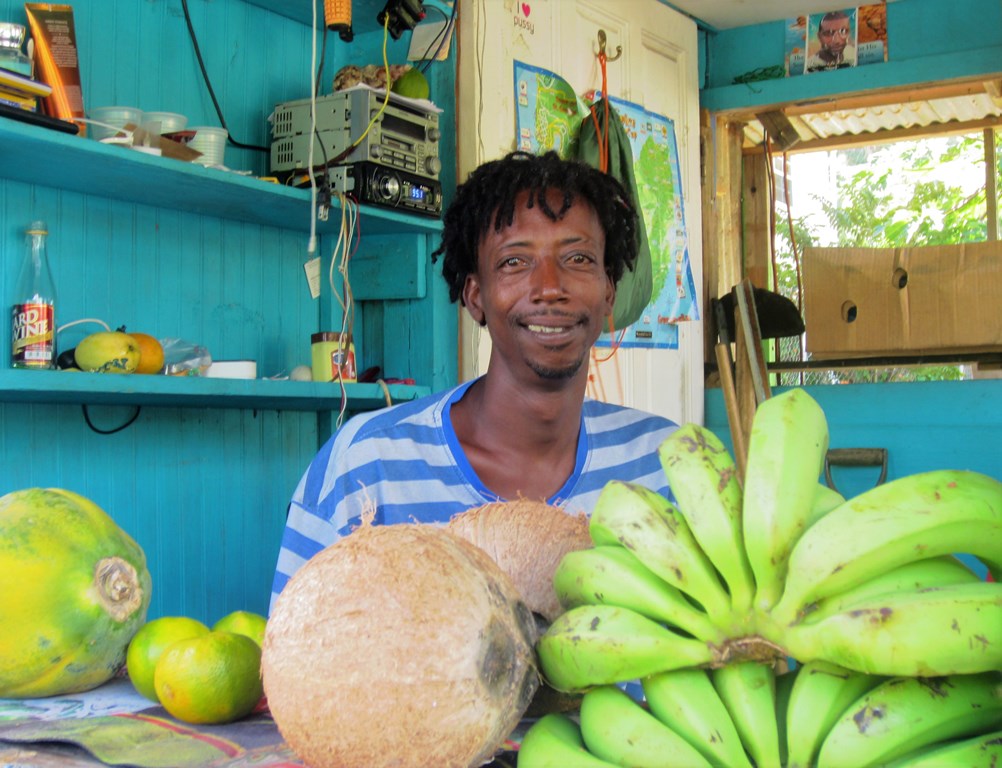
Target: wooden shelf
{"x": 66, "y": 387}
{"x": 82, "y": 165}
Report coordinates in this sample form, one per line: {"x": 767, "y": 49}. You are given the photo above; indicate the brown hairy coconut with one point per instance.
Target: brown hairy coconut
{"x": 527, "y": 539}
{"x": 398, "y": 645}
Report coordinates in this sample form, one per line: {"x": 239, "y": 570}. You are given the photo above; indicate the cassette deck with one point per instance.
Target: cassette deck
{"x": 404, "y": 136}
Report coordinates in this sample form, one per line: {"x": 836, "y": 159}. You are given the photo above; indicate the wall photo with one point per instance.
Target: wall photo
{"x": 837, "y": 39}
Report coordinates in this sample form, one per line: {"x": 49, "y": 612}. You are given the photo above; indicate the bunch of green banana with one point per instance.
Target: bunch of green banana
{"x": 612, "y": 575}
{"x": 912, "y": 518}
{"x": 617, "y": 729}
{"x": 700, "y": 600}
{"x": 785, "y": 678}
{"x": 645, "y": 522}
{"x": 917, "y": 575}
{"x": 554, "y": 741}
{"x": 905, "y": 714}
{"x": 983, "y": 751}
{"x": 686, "y": 701}
{"x": 748, "y": 690}
{"x": 786, "y": 453}
{"x": 825, "y": 500}
{"x": 956, "y": 629}
{"x": 821, "y": 693}
{"x": 704, "y": 479}
{"x": 595, "y": 645}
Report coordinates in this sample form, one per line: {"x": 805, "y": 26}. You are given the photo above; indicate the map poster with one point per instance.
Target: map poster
{"x": 547, "y": 111}
{"x": 547, "y": 117}
{"x": 838, "y": 39}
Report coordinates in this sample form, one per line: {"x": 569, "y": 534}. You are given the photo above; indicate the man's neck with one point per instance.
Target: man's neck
{"x": 520, "y": 442}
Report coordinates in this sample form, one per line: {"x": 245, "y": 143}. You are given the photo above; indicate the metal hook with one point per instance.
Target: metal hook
{"x": 601, "y": 47}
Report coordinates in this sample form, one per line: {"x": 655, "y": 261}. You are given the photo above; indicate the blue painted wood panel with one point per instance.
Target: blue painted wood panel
{"x": 923, "y": 426}
{"x": 203, "y": 490}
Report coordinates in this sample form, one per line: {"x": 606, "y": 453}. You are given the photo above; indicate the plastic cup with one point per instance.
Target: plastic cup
{"x": 118, "y": 117}
{"x": 170, "y": 122}
{"x": 211, "y": 142}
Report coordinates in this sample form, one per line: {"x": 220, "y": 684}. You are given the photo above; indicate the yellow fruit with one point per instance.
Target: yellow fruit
{"x": 149, "y": 643}
{"x": 151, "y": 353}
{"x": 107, "y": 352}
{"x": 412, "y": 84}
{"x": 246, "y": 623}
{"x": 74, "y": 589}
{"x": 212, "y": 678}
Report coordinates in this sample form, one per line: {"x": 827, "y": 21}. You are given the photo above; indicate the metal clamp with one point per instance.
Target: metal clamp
{"x": 855, "y": 457}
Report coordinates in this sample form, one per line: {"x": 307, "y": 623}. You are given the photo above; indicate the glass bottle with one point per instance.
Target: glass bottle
{"x": 11, "y": 55}
{"x": 33, "y": 315}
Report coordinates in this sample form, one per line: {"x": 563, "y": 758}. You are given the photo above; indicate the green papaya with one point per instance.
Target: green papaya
{"x": 74, "y": 589}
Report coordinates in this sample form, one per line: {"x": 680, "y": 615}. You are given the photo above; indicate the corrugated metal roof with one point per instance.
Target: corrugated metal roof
{"x": 976, "y": 106}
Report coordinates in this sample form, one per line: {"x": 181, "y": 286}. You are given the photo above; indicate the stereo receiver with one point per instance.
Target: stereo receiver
{"x": 404, "y": 136}
{"x": 379, "y": 185}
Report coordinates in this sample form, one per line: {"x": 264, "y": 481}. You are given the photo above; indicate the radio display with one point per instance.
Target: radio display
{"x": 401, "y": 127}
{"x": 417, "y": 193}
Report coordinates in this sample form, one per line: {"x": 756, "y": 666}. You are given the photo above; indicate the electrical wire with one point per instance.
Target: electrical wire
{"x": 793, "y": 237}
{"x": 386, "y": 95}
{"x": 328, "y": 163}
{"x": 481, "y": 46}
{"x": 349, "y": 235}
{"x": 427, "y": 50}
{"x": 128, "y": 423}
{"x": 318, "y": 68}
{"x": 771, "y": 189}
{"x": 311, "y": 246}
{"x": 443, "y": 34}
{"x": 208, "y": 83}
{"x": 796, "y": 257}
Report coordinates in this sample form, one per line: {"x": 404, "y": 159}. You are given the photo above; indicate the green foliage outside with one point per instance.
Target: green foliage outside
{"x": 904, "y": 194}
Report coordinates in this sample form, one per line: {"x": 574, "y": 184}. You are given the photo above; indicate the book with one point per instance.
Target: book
{"x": 27, "y": 86}
{"x": 16, "y": 99}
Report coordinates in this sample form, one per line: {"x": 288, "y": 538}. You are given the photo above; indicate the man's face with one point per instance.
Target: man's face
{"x": 834, "y": 34}
{"x": 542, "y": 289}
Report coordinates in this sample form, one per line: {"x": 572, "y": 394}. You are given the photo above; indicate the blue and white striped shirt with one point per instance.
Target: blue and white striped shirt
{"x": 406, "y": 463}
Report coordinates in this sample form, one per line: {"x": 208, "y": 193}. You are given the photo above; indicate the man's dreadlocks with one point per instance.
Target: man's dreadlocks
{"x": 487, "y": 199}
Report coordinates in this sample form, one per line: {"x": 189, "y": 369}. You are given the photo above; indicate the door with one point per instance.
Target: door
{"x": 658, "y": 69}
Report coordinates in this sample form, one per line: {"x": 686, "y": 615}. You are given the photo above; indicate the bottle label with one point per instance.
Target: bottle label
{"x": 343, "y": 364}
{"x": 33, "y": 335}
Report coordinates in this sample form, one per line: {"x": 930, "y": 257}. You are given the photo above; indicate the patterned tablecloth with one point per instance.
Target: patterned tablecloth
{"x": 114, "y": 725}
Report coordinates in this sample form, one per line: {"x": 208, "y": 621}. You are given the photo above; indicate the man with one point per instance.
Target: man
{"x": 533, "y": 247}
{"x": 834, "y": 33}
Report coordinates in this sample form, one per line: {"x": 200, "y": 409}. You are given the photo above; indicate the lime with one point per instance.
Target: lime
{"x": 243, "y": 623}
{"x": 149, "y": 643}
{"x": 212, "y": 678}
{"x": 412, "y": 84}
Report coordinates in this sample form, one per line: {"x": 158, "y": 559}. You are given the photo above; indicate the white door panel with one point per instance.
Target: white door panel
{"x": 658, "y": 68}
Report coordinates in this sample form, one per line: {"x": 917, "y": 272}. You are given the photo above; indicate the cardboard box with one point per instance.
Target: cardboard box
{"x": 870, "y": 302}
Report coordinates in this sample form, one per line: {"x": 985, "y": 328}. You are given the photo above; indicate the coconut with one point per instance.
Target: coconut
{"x": 399, "y": 645}
{"x": 527, "y": 539}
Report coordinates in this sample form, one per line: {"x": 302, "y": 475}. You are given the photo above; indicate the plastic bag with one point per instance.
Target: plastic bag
{"x": 183, "y": 358}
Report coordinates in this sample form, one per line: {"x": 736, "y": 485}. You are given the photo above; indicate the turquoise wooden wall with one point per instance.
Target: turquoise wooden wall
{"x": 203, "y": 490}
{"x": 928, "y": 41}
{"x": 924, "y": 426}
